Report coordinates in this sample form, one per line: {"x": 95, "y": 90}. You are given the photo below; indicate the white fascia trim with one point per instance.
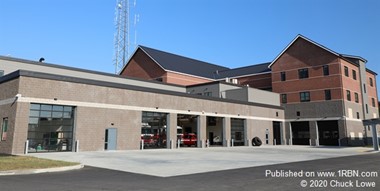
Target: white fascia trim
{"x": 191, "y": 75}
{"x": 323, "y": 119}
{"x": 129, "y": 59}
{"x": 8, "y": 101}
{"x": 153, "y": 59}
{"x": 355, "y": 57}
{"x": 135, "y": 108}
{"x": 291, "y": 43}
{"x": 139, "y": 47}
{"x": 170, "y": 70}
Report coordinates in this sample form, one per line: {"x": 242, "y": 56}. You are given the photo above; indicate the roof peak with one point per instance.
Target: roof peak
{"x": 146, "y": 47}
{"x": 315, "y": 43}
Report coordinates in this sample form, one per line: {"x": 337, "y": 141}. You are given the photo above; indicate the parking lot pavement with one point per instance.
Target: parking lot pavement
{"x": 166, "y": 163}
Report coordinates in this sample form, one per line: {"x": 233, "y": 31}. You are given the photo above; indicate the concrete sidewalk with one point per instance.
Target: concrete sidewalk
{"x": 166, "y": 163}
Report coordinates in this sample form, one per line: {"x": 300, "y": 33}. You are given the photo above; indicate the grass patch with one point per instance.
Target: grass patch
{"x": 11, "y": 162}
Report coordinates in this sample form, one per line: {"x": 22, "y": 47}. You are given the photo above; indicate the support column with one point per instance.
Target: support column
{"x": 201, "y": 129}
{"x": 171, "y": 130}
{"x": 313, "y": 132}
{"x": 226, "y": 132}
{"x": 246, "y": 137}
{"x": 375, "y": 140}
{"x": 317, "y": 133}
{"x": 248, "y": 129}
{"x": 282, "y": 133}
{"x": 290, "y": 134}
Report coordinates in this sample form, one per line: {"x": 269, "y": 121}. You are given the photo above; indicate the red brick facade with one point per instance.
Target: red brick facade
{"x": 303, "y": 54}
{"x": 259, "y": 81}
{"x": 143, "y": 67}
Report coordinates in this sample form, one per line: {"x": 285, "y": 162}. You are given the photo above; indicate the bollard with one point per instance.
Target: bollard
{"x": 316, "y": 142}
{"x": 142, "y": 144}
{"x": 310, "y": 142}
{"x": 178, "y": 143}
{"x": 232, "y": 142}
{"x": 26, "y": 147}
{"x": 274, "y": 142}
{"x": 207, "y": 143}
{"x": 77, "y": 146}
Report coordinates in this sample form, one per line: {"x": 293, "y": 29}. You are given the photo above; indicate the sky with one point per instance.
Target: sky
{"x": 231, "y": 33}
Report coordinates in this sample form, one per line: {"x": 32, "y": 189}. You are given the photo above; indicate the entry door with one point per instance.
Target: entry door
{"x": 110, "y": 139}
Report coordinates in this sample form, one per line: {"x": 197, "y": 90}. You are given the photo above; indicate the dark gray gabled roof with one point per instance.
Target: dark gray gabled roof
{"x": 244, "y": 71}
{"x": 176, "y": 63}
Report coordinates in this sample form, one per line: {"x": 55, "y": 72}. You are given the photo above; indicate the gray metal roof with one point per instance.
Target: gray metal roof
{"x": 244, "y": 71}
{"x": 176, "y": 63}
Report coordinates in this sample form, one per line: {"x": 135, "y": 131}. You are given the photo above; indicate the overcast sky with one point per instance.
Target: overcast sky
{"x": 232, "y": 33}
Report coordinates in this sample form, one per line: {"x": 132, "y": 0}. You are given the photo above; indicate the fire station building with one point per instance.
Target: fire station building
{"x": 308, "y": 95}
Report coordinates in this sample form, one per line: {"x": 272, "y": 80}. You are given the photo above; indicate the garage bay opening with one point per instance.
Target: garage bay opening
{"x": 187, "y": 130}
{"x": 153, "y": 130}
{"x": 237, "y": 132}
{"x": 214, "y": 131}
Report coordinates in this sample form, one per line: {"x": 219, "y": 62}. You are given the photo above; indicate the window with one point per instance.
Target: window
{"x": 356, "y": 97}
{"x": 284, "y": 98}
{"x": 303, "y": 73}
{"x": 348, "y": 95}
{"x": 346, "y": 71}
{"x": 371, "y": 82}
{"x": 327, "y": 94}
{"x": 326, "y": 71}
{"x": 207, "y": 94}
{"x": 1, "y": 73}
{"x": 364, "y": 88}
{"x": 298, "y": 113}
{"x": 4, "y": 129}
{"x": 357, "y": 115}
{"x": 354, "y": 74}
{"x": 366, "y": 108}
{"x": 283, "y": 76}
{"x": 305, "y": 96}
{"x": 373, "y": 102}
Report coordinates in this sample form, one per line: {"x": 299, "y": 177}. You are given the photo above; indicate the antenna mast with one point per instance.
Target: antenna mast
{"x": 122, "y": 34}
{"x": 122, "y": 40}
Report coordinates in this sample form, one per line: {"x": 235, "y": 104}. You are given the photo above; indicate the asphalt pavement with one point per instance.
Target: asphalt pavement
{"x": 251, "y": 178}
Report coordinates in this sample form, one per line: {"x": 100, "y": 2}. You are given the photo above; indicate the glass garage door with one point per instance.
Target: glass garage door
{"x": 50, "y": 128}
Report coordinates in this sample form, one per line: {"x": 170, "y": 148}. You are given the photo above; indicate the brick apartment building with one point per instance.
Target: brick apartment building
{"x": 326, "y": 95}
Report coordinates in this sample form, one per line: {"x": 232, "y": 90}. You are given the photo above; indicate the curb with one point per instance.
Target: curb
{"x": 37, "y": 171}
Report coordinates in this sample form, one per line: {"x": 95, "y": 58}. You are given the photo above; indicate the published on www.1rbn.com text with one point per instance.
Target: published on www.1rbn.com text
{"x": 329, "y": 179}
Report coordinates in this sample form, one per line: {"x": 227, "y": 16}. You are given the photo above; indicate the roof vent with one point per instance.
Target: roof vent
{"x": 42, "y": 59}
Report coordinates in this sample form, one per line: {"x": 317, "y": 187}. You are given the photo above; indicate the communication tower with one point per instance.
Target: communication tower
{"x": 122, "y": 34}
